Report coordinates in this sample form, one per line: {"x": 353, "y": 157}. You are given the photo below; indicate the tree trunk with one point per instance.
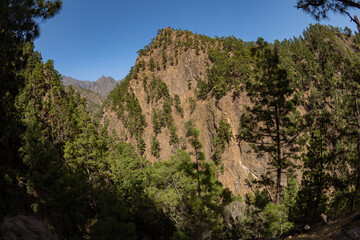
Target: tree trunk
{"x": 320, "y": 183}
{"x": 278, "y": 160}
{"x": 356, "y": 20}
{"x": 197, "y": 171}
{"x": 278, "y": 186}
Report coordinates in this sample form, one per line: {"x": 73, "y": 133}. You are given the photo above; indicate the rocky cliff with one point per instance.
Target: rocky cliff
{"x": 181, "y": 77}
{"x": 170, "y": 69}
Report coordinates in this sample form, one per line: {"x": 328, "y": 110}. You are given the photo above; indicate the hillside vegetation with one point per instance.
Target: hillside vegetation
{"x": 279, "y": 120}
{"x": 94, "y": 102}
{"x": 213, "y": 138}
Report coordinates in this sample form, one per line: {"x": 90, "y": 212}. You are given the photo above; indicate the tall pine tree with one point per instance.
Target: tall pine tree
{"x": 272, "y": 124}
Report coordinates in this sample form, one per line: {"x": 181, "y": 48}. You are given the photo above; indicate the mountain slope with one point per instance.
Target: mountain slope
{"x": 180, "y": 60}
{"x": 182, "y": 77}
{"x": 102, "y": 86}
{"x": 94, "y": 101}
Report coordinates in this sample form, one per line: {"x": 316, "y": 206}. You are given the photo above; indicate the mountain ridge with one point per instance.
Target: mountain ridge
{"x": 101, "y": 86}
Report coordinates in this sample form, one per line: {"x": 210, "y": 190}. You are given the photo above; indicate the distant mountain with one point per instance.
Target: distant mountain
{"x": 102, "y": 86}
{"x": 93, "y": 100}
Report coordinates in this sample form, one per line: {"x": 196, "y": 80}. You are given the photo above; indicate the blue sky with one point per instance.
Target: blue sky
{"x": 91, "y": 38}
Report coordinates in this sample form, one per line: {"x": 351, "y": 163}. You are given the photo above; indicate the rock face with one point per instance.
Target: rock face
{"x": 102, "y": 86}
{"x": 181, "y": 67}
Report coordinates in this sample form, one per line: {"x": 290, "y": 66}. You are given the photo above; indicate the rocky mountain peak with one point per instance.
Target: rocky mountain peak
{"x": 168, "y": 72}
{"x": 101, "y": 86}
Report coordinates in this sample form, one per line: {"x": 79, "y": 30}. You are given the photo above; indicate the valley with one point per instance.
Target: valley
{"x": 205, "y": 138}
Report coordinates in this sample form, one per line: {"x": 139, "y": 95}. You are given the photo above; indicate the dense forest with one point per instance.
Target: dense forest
{"x": 63, "y": 166}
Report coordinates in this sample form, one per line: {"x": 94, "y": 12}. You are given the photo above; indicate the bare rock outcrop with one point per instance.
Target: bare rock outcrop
{"x": 181, "y": 68}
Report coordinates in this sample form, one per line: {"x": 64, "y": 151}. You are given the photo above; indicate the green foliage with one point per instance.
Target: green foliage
{"x": 177, "y": 105}
{"x": 192, "y": 103}
{"x": 157, "y": 66}
{"x": 174, "y": 139}
{"x": 19, "y": 27}
{"x": 141, "y": 65}
{"x": 178, "y": 235}
{"x": 66, "y": 158}
{"x": 58, "y": 163}
{"x": 129, "y": 176}
{"x": 231, "y": 67}
{"x": 276, "y": 216}
{"x": 145, "y": 51}
{"x": 347, "y": 31}
{"x": 311, "y": 200}
{"x": 243, "y": 221}
{"x": 171, "y": 59}
{"x": 127, "y": 106}
{"x": 223, "y": 137}
{"x": 151, "y": 64}
{"x": 326, "y": 155}
{"x": 174, "y": 189}
{"x": 272, "y": 125}
{"x": 157, "y": 90}
{"x": 202, "y": 89}
{"x": 162, "y": 118}
{"x": 155, "y": 147}
{"x": 193, "y": 134}
{"x": 164, "y": 61}
{"x": 290, "y": 191}
{"x": 259, "y": 199}
{"x": 156, "y": 122}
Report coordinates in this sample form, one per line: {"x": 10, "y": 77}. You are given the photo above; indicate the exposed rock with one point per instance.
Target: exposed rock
{"x": 181, "y": 78}
{"x": 102, "y": 86}
{"x": 182, "y": 65}
{"x": 324, "y": 218}
{"x": 307, "y": 227}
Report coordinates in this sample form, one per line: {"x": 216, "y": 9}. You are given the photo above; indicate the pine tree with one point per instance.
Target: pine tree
{"x": 19, "y": 26}
{"x": 320, "y": 8}
{"x": 193, "y": 134}
{"x": 319, "y": 155}
{"x": 272, "y": 124}
{"x": 173, "y": 186}
{"x": 350, "y": 115}
{"x": 222, "y": 138}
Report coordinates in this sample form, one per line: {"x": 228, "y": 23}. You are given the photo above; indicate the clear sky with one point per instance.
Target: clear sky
{"x": 91, "y": 38}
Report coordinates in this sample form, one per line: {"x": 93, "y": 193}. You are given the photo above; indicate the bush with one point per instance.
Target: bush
{"x": 164, "y": 61}
{"x": 177, "y": 105}
{"x": 192, "y": 105}
{"x": 151, "y": 64}
{"x": 276, "y": 216}
{"x": 243, "y": 221}
{"x": 155, "y": 147}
